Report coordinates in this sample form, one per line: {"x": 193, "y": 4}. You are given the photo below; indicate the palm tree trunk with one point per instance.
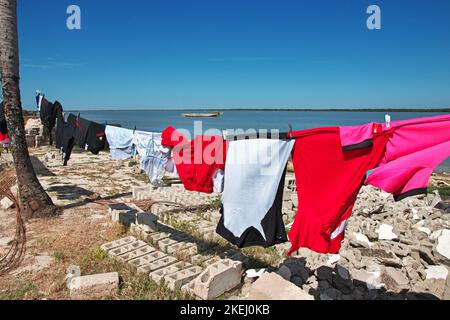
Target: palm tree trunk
{"x": 33, "y": 199}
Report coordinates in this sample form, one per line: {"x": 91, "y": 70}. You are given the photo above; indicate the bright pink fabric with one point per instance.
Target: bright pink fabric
{"x": 416, "y": 147}
{"x": 353, "y": 135}
{"x": 413, "y": 135}
{"x": 411, "y": 172}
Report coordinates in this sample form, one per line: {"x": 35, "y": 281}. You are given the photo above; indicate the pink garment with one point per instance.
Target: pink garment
{"x": 412, "y": 135}
{"x": 410, "y": 174}
{"x": 355, "y": 137}
{"x": 415, "y": 148}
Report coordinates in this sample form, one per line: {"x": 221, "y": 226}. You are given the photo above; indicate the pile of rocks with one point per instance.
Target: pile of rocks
{"x": 393, "y": 250}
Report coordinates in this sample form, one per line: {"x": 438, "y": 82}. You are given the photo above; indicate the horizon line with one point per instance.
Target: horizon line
{"x": 406, "y": 109}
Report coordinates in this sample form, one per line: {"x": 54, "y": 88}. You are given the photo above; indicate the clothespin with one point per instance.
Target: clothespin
{"x": 388, "y": 121}
{"x": 134, "y": 131}
{"x": 224, "y": 134}
{"x": 78, "y": 116}
{"x": 290, "y": 131}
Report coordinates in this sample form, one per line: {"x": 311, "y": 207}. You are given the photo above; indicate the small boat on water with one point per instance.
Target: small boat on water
{"x": 202, "y": 115}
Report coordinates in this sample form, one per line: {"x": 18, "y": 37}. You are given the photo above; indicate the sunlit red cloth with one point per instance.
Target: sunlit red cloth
{"x": 328, "y": 181}
{"x": 196, "y": 160}
{"x": 331, "y": 164}
{"x": 4, "y": 139}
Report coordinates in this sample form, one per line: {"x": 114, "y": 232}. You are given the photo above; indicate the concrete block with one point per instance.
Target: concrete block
{"x": 125, "y": 217}
{"x": 210, "y": 261}
{"x": 182, "y": 237}
{"x": 5, "y": 203}
{"x": 127, "y": 248}
{"x": 94, "y": 286}
{"x": 31, "y": 140}
{"x": 165, "y": 243}
{"x": 136, "y": 253}
{"x": 211, "y": 236}
{"x": 138, "y": 232}
{"x": 198, "y": 259}
{"x": 158, "y": 276}
{"x": 145, "y": 260}
{"x": 159, "y": 264}
{"x": 188, "y": 253}
{"x": 147, "y": 221}
{"x": 271, "y": 286}
{"x": 176, "y": 280}
{"x": 118, "y": 243}
{"x": 143, "y": 193}
{"x": 217, "y": 279}
{"x": 40, "y": 141}
{"x": 154, "y": 238}
{"x": 175, "y": 248}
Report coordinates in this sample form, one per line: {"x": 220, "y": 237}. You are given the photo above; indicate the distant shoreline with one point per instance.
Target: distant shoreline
{"x": 277, "y": 110}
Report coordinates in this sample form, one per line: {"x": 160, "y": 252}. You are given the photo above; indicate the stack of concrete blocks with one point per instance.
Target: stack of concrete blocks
{"x": 123, "y": 213}
{"x": 159, "y": 266}
{"x": 35, "y": 133}
{"x": 218, "y": 278}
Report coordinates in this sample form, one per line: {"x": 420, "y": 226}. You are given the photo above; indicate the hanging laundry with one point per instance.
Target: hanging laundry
{"x": 253, "y": 192}
{"x": 90, "y": 136}
{"x": 154, "y": 156}
{"x": 398, "y": 158}
{"x": 413, "y": 152}
{"x": 60, "y": 123}
{"x": 120, "y": 142}
{"x": 4, "y": 137}
{"x": 328, "y": 180}
{"x": 48, "y": 114}
{"x": 196, "y": 160}
{"x": 67, "y": 137}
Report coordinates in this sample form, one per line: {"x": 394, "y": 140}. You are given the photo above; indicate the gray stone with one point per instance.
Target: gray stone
{"x": 343, "y": 285}
{"x": 385, "y": 232}
{"x": 285, "y": 272}
{"x": 342, "y": 271}
{"x": 436, "y": 273}
{"x": 94, "y": 286}
{"x": 324, "y": 273}
{"x": 443, "y": 247}
{"x": 5, "y": 203}
{"x": 217, "y": 279}
{"x": 395, "y": 280}
{"x": 271, "y": 286}
{"x": 147, "y": 221}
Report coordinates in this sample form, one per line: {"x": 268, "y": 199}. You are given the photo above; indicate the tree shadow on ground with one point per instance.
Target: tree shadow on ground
{"x": 39, "y": 168}
{"x": 108, "y": 198}
{"x": 69, "y": 192}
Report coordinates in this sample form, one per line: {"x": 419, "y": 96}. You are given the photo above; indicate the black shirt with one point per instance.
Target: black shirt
{"x": 48, "y": 114}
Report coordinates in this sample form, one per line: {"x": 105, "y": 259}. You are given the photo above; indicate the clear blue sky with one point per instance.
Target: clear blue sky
{"x": 236, "y": 53}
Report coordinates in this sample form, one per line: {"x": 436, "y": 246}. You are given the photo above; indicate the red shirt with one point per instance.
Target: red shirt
{"x": 328, "y": 182}
{"x": 196, "y": 160}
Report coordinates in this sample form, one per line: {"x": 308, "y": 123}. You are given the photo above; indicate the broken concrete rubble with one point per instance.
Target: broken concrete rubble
{"x": 217, "y": 279}
{"x": 271, "y": 286}
{"x": 94, "y": 286}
